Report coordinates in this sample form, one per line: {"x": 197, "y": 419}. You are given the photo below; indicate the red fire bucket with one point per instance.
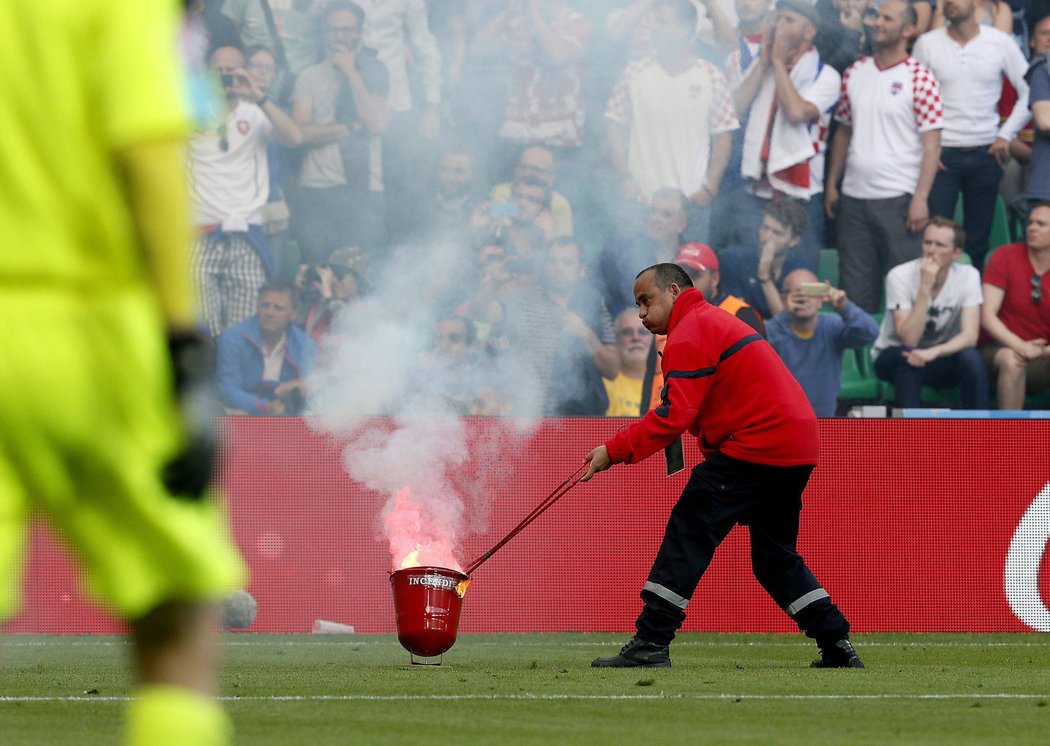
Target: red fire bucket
{"x": 427, "y": 602}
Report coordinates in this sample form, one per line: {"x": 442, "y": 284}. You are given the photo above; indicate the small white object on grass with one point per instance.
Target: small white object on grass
{"x": 325, "y": 627}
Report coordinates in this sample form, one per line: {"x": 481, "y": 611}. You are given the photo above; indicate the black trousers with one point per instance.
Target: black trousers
{"x": 721, "y": 493}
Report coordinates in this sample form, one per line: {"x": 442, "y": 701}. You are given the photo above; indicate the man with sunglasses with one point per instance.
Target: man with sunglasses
{"x": 1015, "y": 317}
{"x": 933, "y": 312}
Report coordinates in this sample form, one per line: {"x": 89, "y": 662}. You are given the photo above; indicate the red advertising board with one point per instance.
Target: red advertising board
{"x": 911, "y": 525}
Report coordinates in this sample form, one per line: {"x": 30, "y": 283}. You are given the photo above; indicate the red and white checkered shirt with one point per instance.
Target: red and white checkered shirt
{"x": 671, "y": 119}
{"x": 888, "y": 109}
{"x": 545, "y": 100}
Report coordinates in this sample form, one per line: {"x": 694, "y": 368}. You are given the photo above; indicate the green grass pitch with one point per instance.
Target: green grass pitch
{"x": 527, "y": 689}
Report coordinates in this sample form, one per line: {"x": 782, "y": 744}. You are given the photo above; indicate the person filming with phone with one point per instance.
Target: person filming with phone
{"x": 230, "y": 179}
{"x": 528, "y": 204}
{"x": 812, "y": 343}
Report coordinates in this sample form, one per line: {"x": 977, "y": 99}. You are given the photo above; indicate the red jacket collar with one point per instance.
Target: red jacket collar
{"x": 683, "y": 304}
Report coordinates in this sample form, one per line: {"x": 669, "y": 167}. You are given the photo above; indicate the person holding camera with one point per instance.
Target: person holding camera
{"x": 528, "y": 204}
{"x": 327, "y": 287}
{"x": 812, "y": 343}
{"x": 230, "y": 183}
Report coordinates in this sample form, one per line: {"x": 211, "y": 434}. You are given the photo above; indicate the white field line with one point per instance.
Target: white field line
{"x": 556, "y": 697}
{"x": 465, "y": 641}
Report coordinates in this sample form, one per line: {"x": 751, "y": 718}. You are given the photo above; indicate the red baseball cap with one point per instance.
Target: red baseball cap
{"x": 697, "y": 256}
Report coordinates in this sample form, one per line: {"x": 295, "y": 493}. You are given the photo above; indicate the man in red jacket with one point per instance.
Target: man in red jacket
{"x": 757, "y": 431}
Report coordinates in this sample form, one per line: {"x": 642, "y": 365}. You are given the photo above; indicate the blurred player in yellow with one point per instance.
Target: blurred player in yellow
{"x": 98, "y": 359}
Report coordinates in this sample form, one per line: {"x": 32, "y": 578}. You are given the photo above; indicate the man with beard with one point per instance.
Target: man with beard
{"x": 1016, "y": 313}
{"x": 970, "y": 61}
{"x": 444, "y": 213}
{"x": 888, "y": 142}
{"x": 667, "y": 219}
{"x": 789, "y": 94}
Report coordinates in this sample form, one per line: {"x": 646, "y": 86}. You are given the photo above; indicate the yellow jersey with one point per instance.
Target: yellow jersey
{"x": 64, "y": 216}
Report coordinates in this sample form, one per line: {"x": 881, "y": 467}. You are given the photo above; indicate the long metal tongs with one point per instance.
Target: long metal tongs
{"x": 552, "y": 498}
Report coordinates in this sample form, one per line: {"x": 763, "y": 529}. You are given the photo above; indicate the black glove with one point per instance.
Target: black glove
{"x": 190, "y": 472}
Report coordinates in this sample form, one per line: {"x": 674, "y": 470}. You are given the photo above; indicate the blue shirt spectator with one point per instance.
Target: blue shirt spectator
{"x": 1038, "y": 187}
{"x": 811, "y": 343}
{"x": 263, "y": 360}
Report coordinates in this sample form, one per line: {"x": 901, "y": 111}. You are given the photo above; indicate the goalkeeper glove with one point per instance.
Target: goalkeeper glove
{"x": 190, "y": 471}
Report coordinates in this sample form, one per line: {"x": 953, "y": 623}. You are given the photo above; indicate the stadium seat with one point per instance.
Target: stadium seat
{"x": 949, "y": 398}
{"x": 1000, "y": 233}
{"x": 1037, "y": 401}
{"x": 858, "y": 382}
{"x": 829, "y": 266}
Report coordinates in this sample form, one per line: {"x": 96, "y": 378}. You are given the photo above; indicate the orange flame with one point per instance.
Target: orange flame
{"x": 415, "y": 541}
{"x": 411, "y": 559}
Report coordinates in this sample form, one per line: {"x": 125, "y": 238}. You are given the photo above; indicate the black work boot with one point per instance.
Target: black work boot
{"x": 838, "y": 654}
{"x": 637, "y": 653}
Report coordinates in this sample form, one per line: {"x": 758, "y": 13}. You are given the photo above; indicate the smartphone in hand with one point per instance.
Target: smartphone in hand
{"x": 814, "y": 289}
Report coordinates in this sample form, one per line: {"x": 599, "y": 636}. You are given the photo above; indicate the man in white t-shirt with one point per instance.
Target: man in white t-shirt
{"x": 789, "y": 94}
{"x": 230, "y": 183}
{"x": 670, "y": 116}
{"x": 933, "y": 317}
{"x": 341, "y": 104}
{"x": 888, "y": 143}
{"x": 970, "y": 61}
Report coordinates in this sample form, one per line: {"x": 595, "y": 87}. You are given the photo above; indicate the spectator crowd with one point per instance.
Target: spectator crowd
{"x": 838, "y": 174}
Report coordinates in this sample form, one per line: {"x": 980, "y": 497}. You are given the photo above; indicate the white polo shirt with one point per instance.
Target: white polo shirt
{"x": 971, "y": 79}
{"x": 887, "y": 109}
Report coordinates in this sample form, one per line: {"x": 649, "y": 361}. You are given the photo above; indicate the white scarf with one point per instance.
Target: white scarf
{"x": 789, "y": 144}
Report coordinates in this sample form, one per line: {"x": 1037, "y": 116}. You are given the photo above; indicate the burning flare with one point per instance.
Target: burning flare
{"x": 415, "y": 541}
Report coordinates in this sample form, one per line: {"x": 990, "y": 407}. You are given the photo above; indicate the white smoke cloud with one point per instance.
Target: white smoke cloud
{"x": 373, "y": 388}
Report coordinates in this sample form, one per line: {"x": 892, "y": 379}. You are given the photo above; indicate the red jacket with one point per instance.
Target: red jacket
{"x": 729, "y": 388}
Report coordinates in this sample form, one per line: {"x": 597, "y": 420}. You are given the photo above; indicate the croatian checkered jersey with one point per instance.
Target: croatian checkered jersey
{"x": 887, "y": 109}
